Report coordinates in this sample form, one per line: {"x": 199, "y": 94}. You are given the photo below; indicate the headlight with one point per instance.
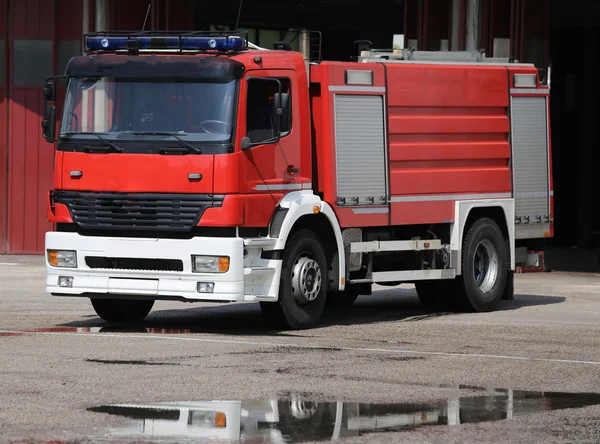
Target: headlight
{"x": 210, "y": 264}
{"x": 62, "y": 258}
{"x": 207, "y": 418}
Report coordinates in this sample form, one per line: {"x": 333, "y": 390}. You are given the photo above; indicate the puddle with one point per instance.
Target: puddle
{"x": 297, "y": 419}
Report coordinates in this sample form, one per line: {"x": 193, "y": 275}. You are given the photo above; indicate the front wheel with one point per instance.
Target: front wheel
{"x": 485, "y": 267}
{"x": 122, "y": 310}
{"x": 303, "y": 284}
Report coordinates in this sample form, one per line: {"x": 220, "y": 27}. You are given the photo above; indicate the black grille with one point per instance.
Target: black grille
{"x": 125, "y": 263}
{"x": 136, "y": 211}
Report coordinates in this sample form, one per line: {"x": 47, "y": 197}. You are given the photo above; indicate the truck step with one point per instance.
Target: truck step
{"x": 388, "y": 246}
{"x": 260, "y": 242}
{"x": 255, "y": 271}
{"x": 361, "y": 281}
{"x": 407, "y": 276}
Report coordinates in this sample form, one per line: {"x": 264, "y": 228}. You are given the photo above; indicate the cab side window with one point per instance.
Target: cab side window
{"x": 261, "y": 121}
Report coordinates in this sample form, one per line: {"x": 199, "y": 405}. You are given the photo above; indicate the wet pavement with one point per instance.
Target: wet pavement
{"x": 381, "y": 371}
{"x": 296, "y": 420}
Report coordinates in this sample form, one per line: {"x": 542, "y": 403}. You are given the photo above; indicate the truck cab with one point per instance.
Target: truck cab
{"x": 170, "y": 151}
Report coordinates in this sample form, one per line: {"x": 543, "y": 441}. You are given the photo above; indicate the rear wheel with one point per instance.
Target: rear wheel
{"x": 122, "y": 310}
{"x": 303, "y": 284}
{"x": 484, "y": 267}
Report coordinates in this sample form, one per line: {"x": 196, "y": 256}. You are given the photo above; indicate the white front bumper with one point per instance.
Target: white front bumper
{"x": 153, "y": 284}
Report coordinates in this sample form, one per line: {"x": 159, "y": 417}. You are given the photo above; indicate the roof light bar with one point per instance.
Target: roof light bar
{"x": 229, "y": 43}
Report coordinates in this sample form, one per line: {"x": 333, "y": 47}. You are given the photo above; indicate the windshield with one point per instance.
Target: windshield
{"x": 133, "y": 109}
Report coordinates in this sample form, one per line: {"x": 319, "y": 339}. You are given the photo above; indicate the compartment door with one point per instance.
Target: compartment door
{"x": 530, "y": 166}
{"x": 361, "y": 153}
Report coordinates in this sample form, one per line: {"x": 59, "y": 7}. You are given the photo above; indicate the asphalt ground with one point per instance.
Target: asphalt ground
{"x": 384, "y": 355}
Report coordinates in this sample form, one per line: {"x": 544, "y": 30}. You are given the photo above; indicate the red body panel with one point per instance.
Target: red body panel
{"x": 146, "y": 173}
{"x": 447, "y": 131}
{"x": 448, "y": 135}
{"x": 333, "y": 74}
{"x": 253, "y": 180}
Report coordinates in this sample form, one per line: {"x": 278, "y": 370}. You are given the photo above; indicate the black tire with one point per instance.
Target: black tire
{"x": 303, "y": 253}
{"x": 437, "y": 296}
{"x": 122, "y": 310}
{"x": 485, "y": 267}
{"x": 342, "y": 299}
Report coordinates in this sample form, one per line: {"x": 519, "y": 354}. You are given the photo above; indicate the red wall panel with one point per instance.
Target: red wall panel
{"x": 3, "y": 126}
{"x": 30, "y": 158}
{"x": 30, "y": 174}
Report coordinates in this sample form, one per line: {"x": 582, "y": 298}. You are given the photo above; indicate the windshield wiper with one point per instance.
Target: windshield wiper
{"x": 111, "y": 146}
{"x": 173, "y": 135}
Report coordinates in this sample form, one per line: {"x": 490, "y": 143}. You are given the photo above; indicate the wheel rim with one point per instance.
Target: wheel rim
{"x": 306, "y": 280}
{"x": 485, "y": 266}
{"x": 302, "y": 409}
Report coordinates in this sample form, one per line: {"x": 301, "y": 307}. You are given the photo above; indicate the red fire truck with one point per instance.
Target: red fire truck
{"x": 199, "y": 167}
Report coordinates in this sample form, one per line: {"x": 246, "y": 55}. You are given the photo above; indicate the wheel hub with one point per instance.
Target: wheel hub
{"x": 306, "y": 280}
{"x": 485, "y": 266}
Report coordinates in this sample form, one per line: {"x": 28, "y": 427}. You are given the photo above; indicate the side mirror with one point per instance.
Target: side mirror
{"x": 286, "y": 111}
{"x": 49, "y": 92}
{"x": 281, "y": 109}
{"x": 49, "y": 124}
{"x": 277, "y": 104}
{"x": 246, "y": 142}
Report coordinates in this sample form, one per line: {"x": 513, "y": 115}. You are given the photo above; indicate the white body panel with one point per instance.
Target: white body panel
{"x": 250, "y": 278}
{"x": 462, "y": 211}
{"x": 228, "y": 286}
{"x": 302, "y": 203}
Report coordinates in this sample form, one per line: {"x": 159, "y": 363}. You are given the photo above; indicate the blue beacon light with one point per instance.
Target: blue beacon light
{"x": 187, "y": 43}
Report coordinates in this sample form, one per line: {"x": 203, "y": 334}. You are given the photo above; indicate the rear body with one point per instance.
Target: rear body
{"x": 436, "y": 134}
{"x": 239, "y": 175}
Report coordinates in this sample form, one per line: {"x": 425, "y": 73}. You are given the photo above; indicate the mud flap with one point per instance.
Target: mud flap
{"x": 509, "y": 289}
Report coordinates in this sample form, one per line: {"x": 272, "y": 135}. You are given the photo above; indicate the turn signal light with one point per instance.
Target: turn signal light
{"x": 62, "y": 258}
{"x": 220, "y": 420}
{"x": 223, "y": 264}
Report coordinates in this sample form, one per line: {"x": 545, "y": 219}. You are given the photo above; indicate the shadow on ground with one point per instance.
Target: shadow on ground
{"x": 397, "y": 305}
{"x": 573, "y": 260}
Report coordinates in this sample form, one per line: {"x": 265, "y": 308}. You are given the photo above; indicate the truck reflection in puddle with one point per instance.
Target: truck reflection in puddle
{"x": 298, "y": 419}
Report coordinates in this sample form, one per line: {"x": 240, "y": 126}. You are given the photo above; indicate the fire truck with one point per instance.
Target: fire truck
{"x": 199, "y": 167}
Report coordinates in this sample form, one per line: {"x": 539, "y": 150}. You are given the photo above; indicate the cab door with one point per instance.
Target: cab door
{"x": 270, "y": 165}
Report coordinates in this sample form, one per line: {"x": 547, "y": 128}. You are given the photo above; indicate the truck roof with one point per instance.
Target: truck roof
{"x": 176, "y": 54}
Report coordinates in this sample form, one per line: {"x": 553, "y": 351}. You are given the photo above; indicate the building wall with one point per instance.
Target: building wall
{"x": 3, "y": 124}
{"x": 503, "y": 28}
{"x": 37, "y": 37}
